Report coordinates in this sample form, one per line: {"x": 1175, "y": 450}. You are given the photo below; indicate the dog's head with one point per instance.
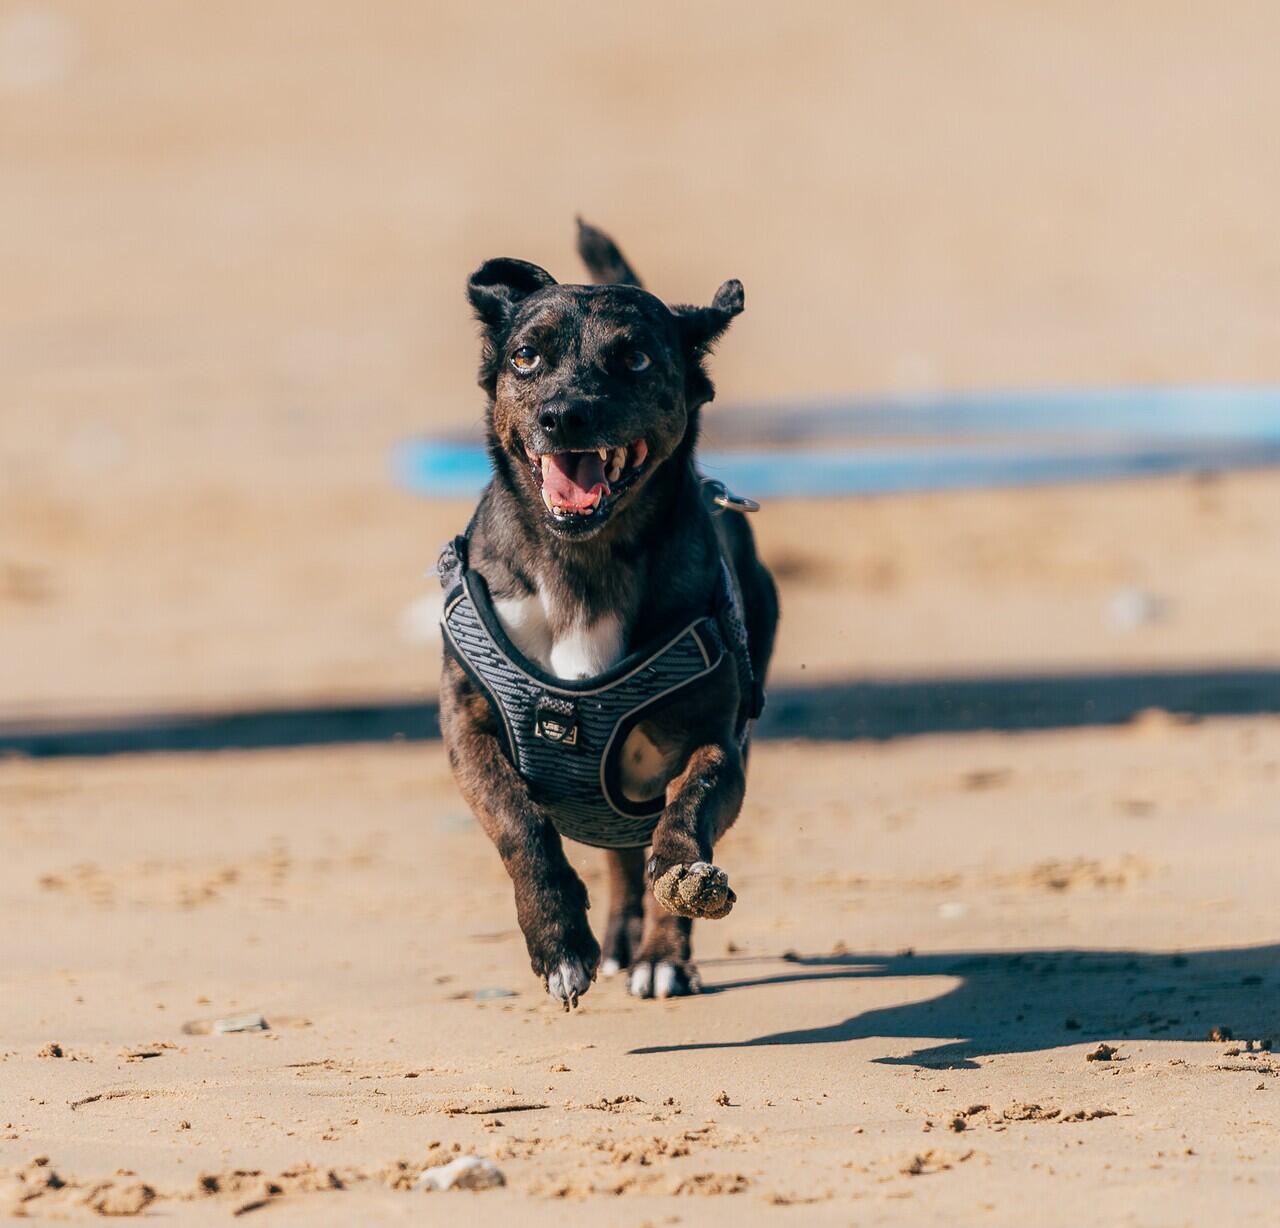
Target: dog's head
{"x": 591, "y": 388}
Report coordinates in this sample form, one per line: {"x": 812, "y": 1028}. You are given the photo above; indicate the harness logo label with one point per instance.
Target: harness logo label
{"x": 556, "y": 720}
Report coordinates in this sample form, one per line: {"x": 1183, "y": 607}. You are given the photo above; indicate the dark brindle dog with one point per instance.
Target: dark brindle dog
{"x": 607, "y": 630}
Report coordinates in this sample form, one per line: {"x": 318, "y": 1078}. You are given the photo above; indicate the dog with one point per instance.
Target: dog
{"x": 607, "y": 628}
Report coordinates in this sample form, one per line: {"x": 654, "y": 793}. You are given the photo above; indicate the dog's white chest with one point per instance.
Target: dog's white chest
{"x": 586, "y": 649}
{"x": 571, "y": 648}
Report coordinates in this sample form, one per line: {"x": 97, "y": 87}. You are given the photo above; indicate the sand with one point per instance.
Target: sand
{"x": 930, "y": 939}
{"x": 974, "y": 978}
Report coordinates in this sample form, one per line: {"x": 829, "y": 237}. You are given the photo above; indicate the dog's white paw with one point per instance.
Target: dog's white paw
{"x": 663, "y": 979}
{"x": 640, "y": 982}
{"x": 610, "y": 967}
{"x": 568, "y": 982}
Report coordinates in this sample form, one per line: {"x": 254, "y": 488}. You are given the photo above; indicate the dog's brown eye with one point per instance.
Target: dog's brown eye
{"x": 637, "y": 360}
{"x": 525, "y": 359}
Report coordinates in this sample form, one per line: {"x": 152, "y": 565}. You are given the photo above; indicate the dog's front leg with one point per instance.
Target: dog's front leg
{"x": 551, "y": 900}
{"x": 702, "y": 802}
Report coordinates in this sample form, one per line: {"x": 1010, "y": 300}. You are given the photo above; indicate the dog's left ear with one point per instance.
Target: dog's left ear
{"x": 701, "y": 327}
{"x": 499, "y": 286}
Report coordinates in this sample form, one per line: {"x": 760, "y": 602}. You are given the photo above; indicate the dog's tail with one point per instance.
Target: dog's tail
{"x": 606, "y": 264}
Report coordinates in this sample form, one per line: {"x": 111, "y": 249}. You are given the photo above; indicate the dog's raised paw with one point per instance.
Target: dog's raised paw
{"x": 568, "y": 981}
{"x": 697, "y": 890}
{"x": 663, "y": 979}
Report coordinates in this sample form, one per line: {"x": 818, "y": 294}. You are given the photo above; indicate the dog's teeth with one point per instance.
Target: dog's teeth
{"x": 604, "y": 453}
{"x": 616, "y": 463}
{"x": 546, "y": 498}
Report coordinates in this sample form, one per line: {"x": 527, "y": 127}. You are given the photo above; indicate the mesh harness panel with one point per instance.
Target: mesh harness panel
{"x": 564, "y": 738}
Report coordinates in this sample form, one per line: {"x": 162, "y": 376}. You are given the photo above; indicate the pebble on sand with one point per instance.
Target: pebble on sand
{"x": 464, "y": 1173}
{"x": 230, "y": 1023}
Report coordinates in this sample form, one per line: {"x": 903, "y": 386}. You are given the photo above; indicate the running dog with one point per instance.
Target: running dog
{"x": 607, "y": 624}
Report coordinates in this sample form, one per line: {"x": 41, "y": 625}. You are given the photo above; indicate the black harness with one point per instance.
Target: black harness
{"x": 565, "y": 737}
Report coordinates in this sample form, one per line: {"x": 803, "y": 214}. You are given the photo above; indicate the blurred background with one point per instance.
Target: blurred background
{"x": 234, "y": 238}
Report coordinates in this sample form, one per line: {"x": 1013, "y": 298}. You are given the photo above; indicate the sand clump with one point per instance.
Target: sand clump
{"x": 935, "y": 1160}
{"x": 38, "y": 1188}
{"x": 120, "y": 1197}
{"x": 711, "y": 1184}
{"x": 1019, "y": 1111}
{"x": 697, "y": 890}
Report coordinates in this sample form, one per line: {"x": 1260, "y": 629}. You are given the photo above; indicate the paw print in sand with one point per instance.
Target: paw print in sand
{"x": 697, "y": 890}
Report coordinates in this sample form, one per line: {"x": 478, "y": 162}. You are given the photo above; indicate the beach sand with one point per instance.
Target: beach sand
{"x": 923, "y": 927}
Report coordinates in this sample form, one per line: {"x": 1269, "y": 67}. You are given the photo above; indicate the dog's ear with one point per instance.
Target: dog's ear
{"x": 499, "y": 286}
{"x": 701, "y": 327}
{"x": 605, "y": 262}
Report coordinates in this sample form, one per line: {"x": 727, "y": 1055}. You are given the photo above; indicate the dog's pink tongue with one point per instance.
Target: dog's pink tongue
{"x": 574, "y": 480}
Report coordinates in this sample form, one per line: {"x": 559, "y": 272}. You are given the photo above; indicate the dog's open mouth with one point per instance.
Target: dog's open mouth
{"x": 582, "y": 484}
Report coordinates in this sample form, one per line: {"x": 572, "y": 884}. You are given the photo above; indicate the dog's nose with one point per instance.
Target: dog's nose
{"x": 560, "y": 418}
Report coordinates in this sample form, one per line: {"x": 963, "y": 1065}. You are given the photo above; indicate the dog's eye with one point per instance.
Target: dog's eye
{"x": 636, "y": 360}
{"x": 526, "y": 359}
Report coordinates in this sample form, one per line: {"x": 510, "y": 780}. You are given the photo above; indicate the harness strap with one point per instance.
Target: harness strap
{"x": 733, "y": 628}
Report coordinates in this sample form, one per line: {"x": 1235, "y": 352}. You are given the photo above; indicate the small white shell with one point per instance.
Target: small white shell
{"x": 464, "y": 1173}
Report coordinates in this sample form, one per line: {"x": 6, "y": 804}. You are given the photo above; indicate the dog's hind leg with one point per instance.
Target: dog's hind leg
{"x": 663, "y": 967}
{"x": 626, "y": 909}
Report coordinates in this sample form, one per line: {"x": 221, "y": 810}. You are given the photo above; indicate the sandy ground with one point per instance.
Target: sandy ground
{"x": 923, "y": 928}
{"x": 234, "y": 238}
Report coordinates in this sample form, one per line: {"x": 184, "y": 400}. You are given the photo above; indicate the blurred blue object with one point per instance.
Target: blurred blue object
{"x": 1079, "y": 436}
{"x": 1156, "y": 414}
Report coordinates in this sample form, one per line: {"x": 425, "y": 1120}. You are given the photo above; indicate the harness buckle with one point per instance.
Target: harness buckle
{"x": 556, "y": 720}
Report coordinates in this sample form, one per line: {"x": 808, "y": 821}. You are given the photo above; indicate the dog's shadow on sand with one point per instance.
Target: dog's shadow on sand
{"x": 1020, "y": 1001}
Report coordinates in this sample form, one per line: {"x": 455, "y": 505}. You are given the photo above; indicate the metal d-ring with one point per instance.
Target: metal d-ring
{"x": 720, "y": 496}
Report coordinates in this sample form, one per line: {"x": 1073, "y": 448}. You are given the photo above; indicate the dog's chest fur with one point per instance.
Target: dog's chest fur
{"x": 565, "y": 640}
{"x": 571, "y": 643}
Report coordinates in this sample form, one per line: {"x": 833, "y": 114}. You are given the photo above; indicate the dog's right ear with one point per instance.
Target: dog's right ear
{"x": 499, "y": 286}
